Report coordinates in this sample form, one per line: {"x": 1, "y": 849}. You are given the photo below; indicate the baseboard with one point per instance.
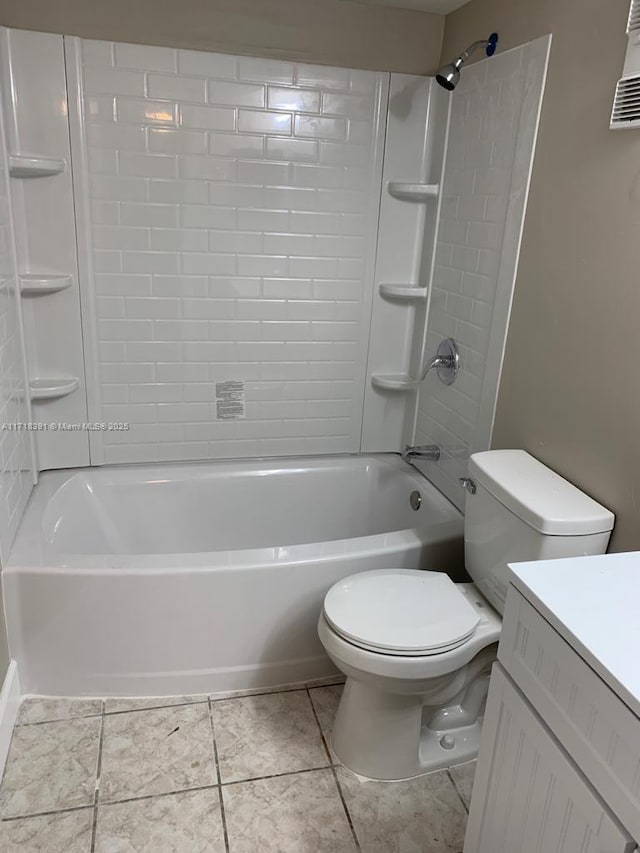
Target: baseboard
{"x": 9, "y": 702}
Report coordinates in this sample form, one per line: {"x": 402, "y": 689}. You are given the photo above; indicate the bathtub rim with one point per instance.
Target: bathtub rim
{"x": 31, "y": 554}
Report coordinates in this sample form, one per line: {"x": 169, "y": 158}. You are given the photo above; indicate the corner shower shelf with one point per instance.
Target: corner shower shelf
{"x": 39, "y": 284}
{"x": 413, "y": 191}
{"x": 25, "y": 166}
{"x": 404, "y": 292}
{"x": 394, "y": 382}
{"x": 53, "y": 389}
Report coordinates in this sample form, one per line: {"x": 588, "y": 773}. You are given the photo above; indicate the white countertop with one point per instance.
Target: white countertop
{"x": 594, "y": 603}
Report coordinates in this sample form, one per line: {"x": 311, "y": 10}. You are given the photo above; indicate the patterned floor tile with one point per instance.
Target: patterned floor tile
{"x": 463, "y": 776}
{"x": 113, "y": 706}
{"x": 65, "y": 832}
{"x": 300, "y": 813}
{"x": 325, "y": 701}
{"x": 266, "y": 735}
{"x": 156, "y": 752}
{"x": 39, "y": 709}
{"x": 423, "y": 814}
{"x": 178, "y": 823}
{"x": 51, "y": 766}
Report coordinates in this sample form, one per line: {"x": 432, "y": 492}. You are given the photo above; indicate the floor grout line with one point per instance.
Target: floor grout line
{"x": 275, "y": 776}
{"x": 59, "y": 720}
{"x": 96, "y": 792}
{"x": 173, "y": 793}
{"x": 455, "y": 788}
{"x": 219, "y": 777}
{"x": 50, "y": 813}
{"x": 213, "y": 697}
{"x": 345, "y": 807}
{"x": 334, "y": 772}
{"x": 156, "y": 707}
{"x": 317, "y": 719}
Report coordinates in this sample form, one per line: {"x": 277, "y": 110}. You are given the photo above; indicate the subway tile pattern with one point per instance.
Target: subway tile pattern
{"x": 491, "y": 145}
{"x": 15, "y": 447}
{"x": 233, "y": 217}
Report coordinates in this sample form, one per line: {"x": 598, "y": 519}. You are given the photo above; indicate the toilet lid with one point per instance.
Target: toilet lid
{"x": 400, "y": 611}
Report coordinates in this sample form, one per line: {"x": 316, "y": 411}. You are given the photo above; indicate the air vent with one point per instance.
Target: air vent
{"x": 626, "y": 106}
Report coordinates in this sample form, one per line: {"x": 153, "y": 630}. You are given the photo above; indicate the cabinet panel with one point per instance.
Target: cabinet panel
{"x": 597, "y": 729}
{"x": 528, "y": 796}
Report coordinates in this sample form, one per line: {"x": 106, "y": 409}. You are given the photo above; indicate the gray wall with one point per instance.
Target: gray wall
{"x": 4, "y": 645}
{"x": 329, "y": 32}
{"x": 569, "y": 390}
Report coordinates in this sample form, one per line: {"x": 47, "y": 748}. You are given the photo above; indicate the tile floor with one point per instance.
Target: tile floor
{"x": 249, "y": 774}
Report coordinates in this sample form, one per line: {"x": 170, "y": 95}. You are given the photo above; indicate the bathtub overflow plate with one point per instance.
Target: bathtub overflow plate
{"x": 415, "y": 499}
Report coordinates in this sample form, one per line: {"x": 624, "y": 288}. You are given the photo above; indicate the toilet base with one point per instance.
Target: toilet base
{"x": 391, "y": 737}
{"x": 465, "y": 743}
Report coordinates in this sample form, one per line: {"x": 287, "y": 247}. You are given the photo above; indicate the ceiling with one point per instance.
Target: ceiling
{"x": 441, "y": 7}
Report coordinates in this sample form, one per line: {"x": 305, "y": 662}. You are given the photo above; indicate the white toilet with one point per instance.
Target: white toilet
{"x": 417, "y": 649}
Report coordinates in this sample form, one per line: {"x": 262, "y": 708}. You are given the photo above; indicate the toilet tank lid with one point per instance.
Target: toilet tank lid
{"x": 537, "y": 495}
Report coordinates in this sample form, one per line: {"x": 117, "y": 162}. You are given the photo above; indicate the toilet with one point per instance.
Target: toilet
{"x": 417, "y": 648}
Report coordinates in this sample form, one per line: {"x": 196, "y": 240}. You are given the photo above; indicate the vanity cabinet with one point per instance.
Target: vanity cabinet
{"x": 559, "y": 765}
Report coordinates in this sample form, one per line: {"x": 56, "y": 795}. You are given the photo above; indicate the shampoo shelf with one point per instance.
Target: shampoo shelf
{"x": 403, "y": 292}
{"x": 24, "y": 166}
{"x": 394, "y": 382}
{"x": 39, "y": 284}
{"x": 53, "y": 389}
{"x": 413, "y": 191}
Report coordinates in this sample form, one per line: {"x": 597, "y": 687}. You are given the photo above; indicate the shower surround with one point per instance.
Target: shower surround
{"x": 261, "y": 245}
{"x": 262, "y": 256}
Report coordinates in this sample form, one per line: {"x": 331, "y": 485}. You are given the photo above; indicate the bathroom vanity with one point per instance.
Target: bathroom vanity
{"x": 559, "y": 765}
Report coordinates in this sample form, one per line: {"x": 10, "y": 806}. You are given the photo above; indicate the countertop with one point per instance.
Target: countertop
{"x": 594, "y": 604}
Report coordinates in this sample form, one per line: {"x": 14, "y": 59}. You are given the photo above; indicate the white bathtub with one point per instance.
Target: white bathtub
{"x": 205, "y": 578}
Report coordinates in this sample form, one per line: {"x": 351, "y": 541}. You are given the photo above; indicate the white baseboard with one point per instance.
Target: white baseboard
{"x": 9, "y": 702}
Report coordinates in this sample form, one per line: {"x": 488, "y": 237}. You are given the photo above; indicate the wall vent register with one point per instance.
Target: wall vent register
{"x": 626, "y": 104}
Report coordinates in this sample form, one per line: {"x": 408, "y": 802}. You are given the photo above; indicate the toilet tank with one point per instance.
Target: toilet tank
{"x": 522, "y": 511}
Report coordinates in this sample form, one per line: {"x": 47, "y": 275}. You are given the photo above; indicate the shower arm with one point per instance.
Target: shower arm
{"x": 459, "y": 60}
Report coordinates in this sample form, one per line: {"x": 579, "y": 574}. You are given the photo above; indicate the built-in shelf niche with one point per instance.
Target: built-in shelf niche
{"x": 41, "y": 284}
{"x": 413, "y": 191}
{"x": 394, "y": 382}
{"x": 32, "y": 166}
{"x": 53, "y": 388}
{"x": 403, "y": 292}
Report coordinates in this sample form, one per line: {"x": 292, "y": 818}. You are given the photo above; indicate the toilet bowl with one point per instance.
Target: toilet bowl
{"x": 407, "y": 710}
{"x": 417, "y": 648}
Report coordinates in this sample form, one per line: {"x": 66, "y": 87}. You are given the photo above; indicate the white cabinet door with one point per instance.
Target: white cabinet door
{"x": 528, "y": 796}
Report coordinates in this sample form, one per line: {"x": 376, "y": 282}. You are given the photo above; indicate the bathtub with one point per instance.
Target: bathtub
{"x": 205, "y": 578}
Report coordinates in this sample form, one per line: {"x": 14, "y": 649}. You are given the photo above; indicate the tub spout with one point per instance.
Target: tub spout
{"x": 429, "y": 452}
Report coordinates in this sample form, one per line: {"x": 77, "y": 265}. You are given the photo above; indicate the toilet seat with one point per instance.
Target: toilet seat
{"x": 401, "y": 612}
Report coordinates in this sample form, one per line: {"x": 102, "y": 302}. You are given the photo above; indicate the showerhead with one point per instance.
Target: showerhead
{"x": 449, "y": 75}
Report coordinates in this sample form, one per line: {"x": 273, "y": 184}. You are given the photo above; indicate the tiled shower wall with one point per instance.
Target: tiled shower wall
{"x": 494, "y": 119}
{"x": 16, "y": 462}
{"x": 233, "y": 210}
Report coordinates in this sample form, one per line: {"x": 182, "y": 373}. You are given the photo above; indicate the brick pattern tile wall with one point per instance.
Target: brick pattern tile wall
{"x": 491, "y": 144}
{"x": 15, "y": 446}
{"x": 233, "y": 216}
